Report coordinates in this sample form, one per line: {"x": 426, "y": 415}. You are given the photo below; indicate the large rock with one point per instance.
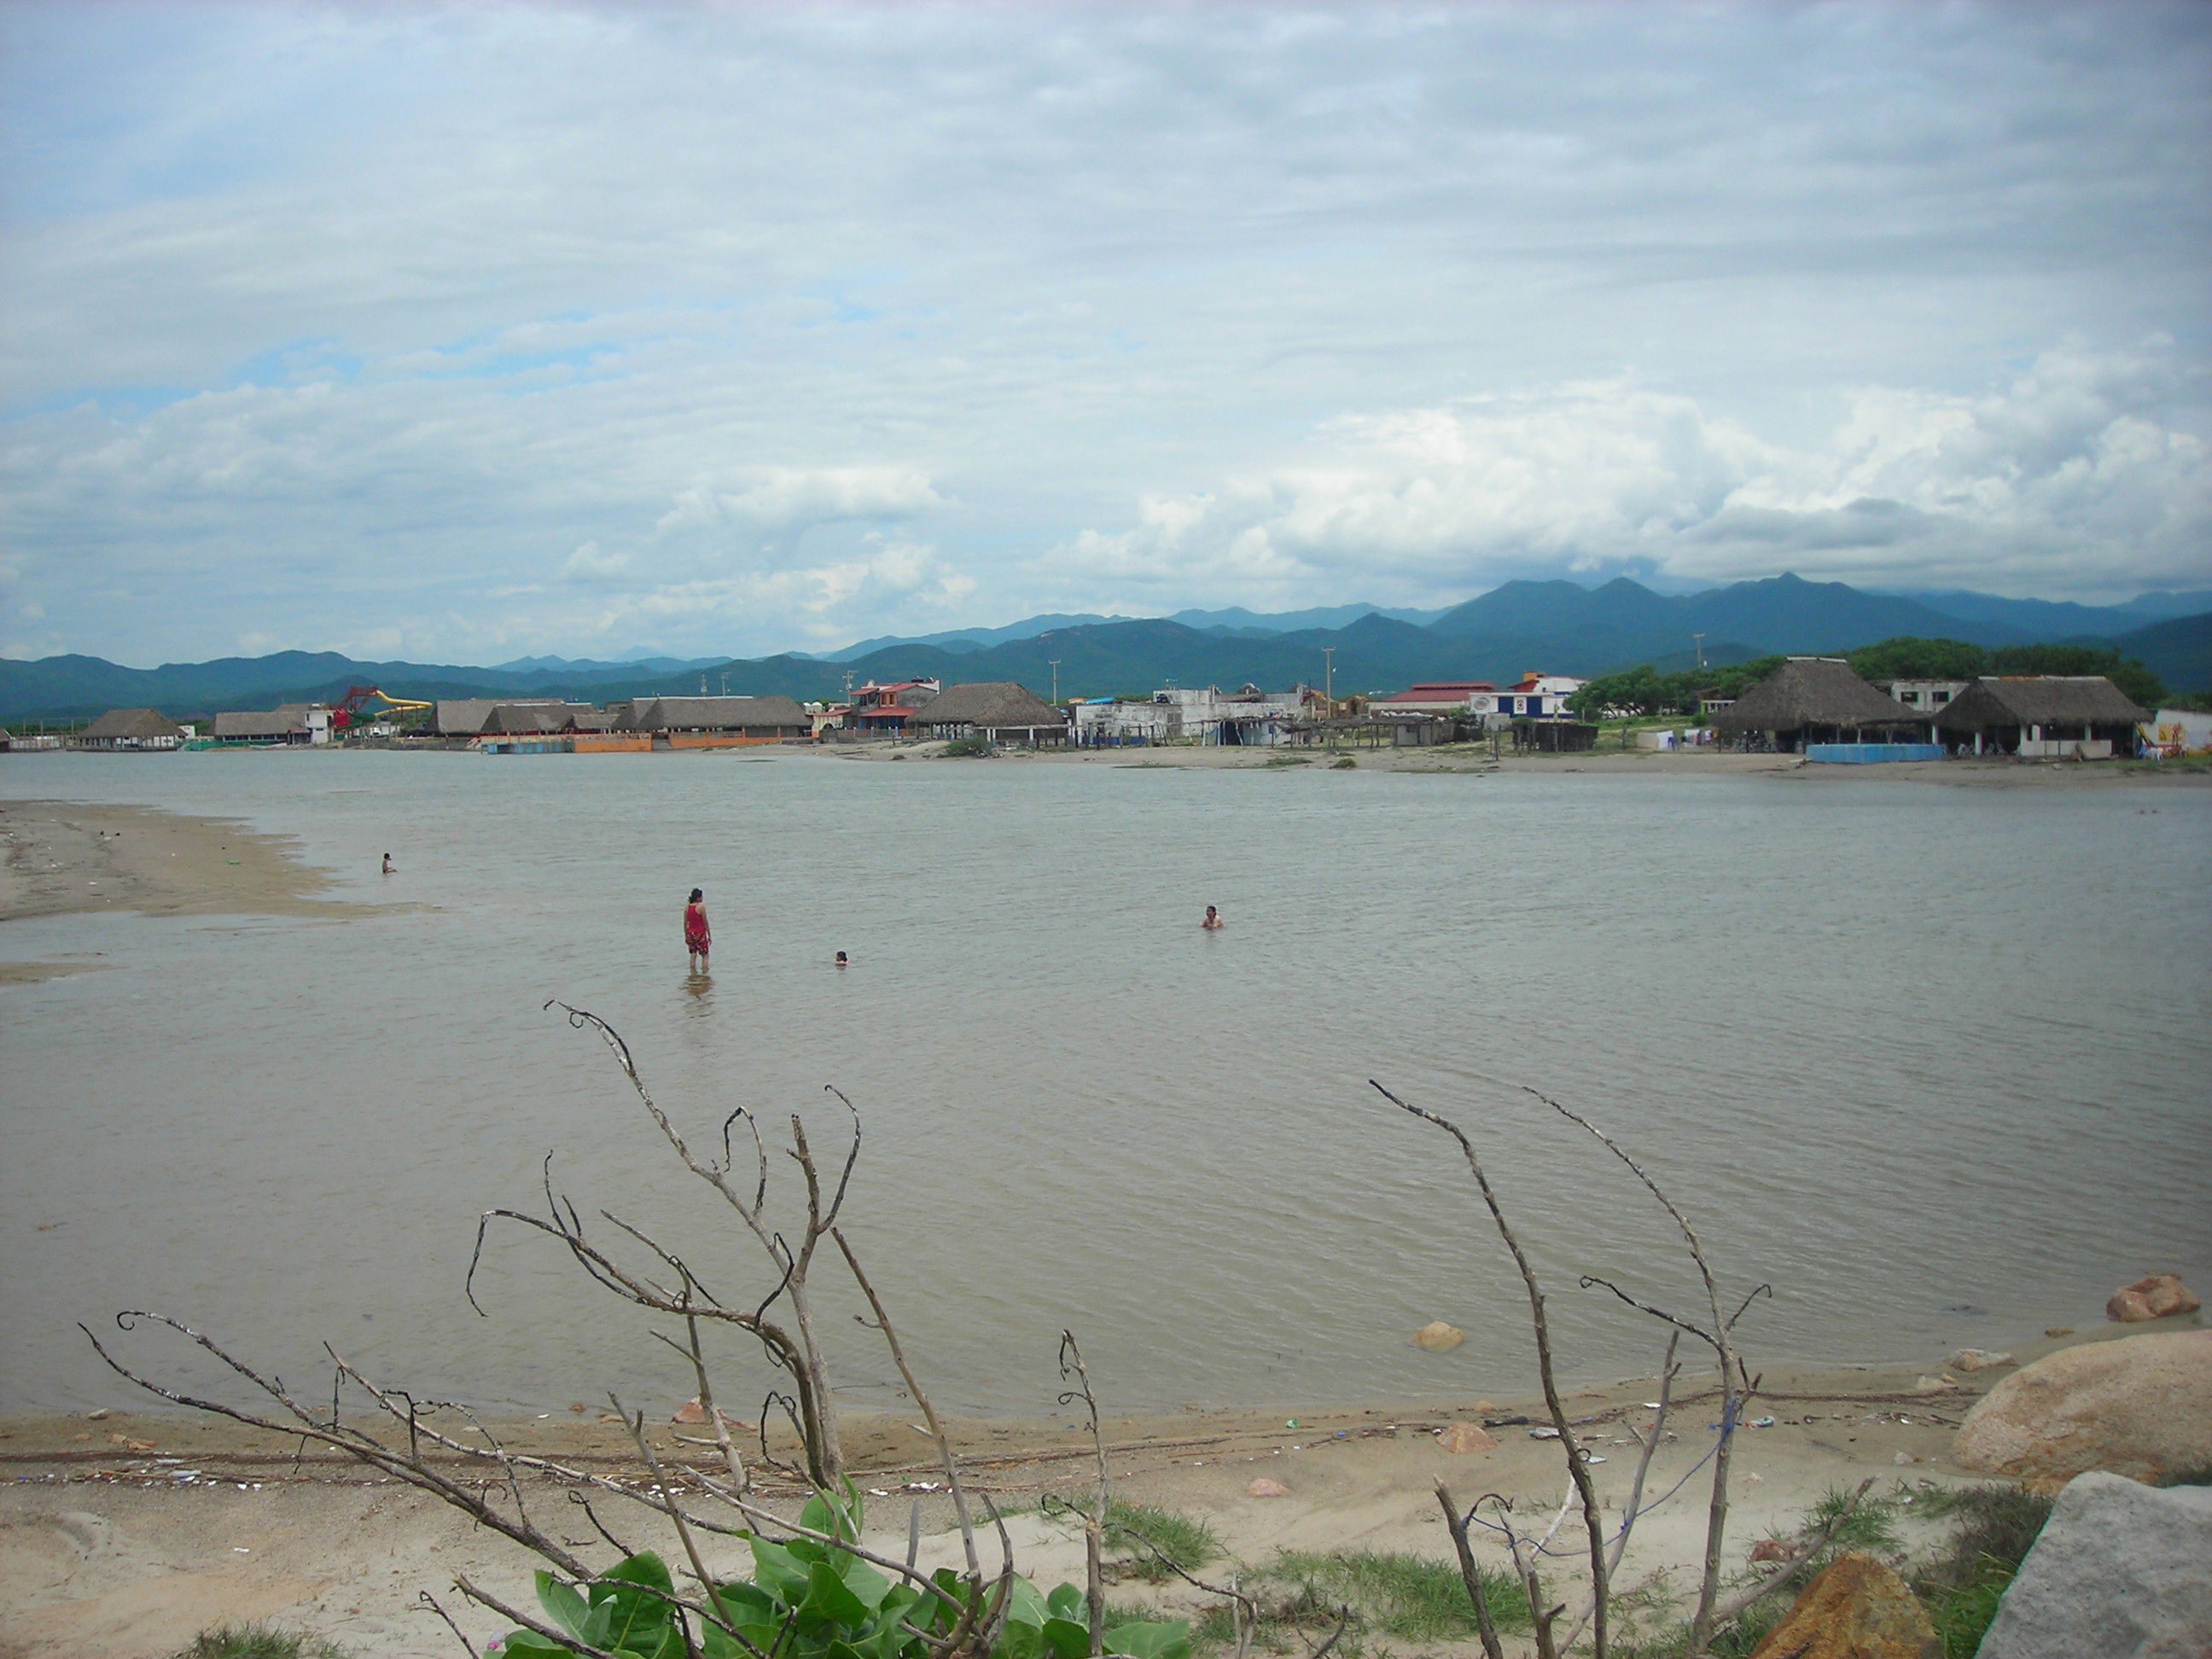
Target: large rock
{"x": 2121, "y": 1571}
{"x": 1857, "y": 1609}
{"x": 2139, "y": 1405}
{"x": 2159, "y": 1296}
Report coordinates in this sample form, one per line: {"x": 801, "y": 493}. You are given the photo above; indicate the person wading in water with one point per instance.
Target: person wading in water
{"x": 698, "y": 938}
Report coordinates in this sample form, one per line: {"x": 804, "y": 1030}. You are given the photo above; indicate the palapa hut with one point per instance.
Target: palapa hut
{"x": 1817, "y": 700}
{"x": 691, "y": 722}
{"x": 130, "y": 728}
{"x": 2075, "y": 716}
{"x": 999, "y": 711}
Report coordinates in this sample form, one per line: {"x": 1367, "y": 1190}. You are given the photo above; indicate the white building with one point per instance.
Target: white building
{"x": 1206, "y": 715}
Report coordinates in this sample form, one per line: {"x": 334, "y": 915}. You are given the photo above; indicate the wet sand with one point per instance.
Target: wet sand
{"x": 121, "y": 1534}
{"x": 63, "y": 857}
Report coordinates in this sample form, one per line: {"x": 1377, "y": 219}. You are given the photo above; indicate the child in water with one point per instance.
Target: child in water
{"x": 698, "y": 938}
{"x": 1212, "y": 920}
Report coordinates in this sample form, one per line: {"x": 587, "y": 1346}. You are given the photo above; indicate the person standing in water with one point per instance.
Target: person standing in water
{"x": 1212, "y": 920}
{"x": 698, "y": 938}
{"x": 388, "y": 864}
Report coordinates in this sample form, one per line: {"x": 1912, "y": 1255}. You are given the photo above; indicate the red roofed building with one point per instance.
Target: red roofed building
{"x": 886, "y": 708}
{"x": 1438, "y": 697}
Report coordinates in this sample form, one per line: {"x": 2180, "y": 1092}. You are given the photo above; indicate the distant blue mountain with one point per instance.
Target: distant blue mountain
{"x": 1552, "y": 627}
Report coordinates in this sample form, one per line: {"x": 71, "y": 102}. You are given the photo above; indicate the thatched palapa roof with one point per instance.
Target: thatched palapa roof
{"x": 1813, "y": 691}
{"x": 132, "y": 723}
{"x": 2042, "y": 700}
{"x": 989, "y": 706}
{"x": 259, "y": 722}
{"x": 717, "y": 715}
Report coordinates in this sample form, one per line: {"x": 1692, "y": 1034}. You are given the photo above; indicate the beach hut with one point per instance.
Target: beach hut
{"x": 1817, "y": 700}
{"x": 130, "y": 728}
{"x": 999, "y": 711}
{"x": 720, "y": 722}
{"x": 2045, "y": 716}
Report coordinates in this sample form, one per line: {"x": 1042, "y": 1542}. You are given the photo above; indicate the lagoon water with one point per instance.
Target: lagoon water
{"x": 1935, "y": 1062}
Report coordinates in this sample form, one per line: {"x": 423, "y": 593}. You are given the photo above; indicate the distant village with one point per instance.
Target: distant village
{"x": 1815, "y": 707}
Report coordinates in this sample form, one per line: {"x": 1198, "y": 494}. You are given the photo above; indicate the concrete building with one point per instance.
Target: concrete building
{"x": 2042, "y": 717}
{"x": 1926, "y": 696}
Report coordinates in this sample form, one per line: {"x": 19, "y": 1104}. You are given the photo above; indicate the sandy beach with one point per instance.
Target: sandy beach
{"x": 64, "y": 857}
{"x": 123, "y": 1532}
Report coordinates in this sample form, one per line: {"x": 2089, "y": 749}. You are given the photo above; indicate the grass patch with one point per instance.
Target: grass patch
{"x": 257, "y": 1641}
{"x": 1343, "y": 764}
{"x": 1402, "y": 1595}
{"x": 1961, "y": 1586}
{"x": 1188, "y": 1543}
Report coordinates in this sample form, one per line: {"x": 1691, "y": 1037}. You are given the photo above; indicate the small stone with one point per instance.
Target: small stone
{"x": 1264, "y": 1487}
{"x": 1770, "y": 1549}
{"x": 1904, "y": 1460}
{"x": 2159, "y": 1297}
{"x": 1978, "y": 1360}
{"x": 1438, "y": 1337}
{"x": 1934, "y": 1384}
{"x": 97, "y": 1415}
{"x": 2058, "y": 1330}
{"x": 1461, "y": 1438}
{"x": 691, "y": 1412}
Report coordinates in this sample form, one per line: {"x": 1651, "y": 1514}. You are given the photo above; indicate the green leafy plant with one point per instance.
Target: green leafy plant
{"x": 969, "y": 749}
{"x": 1162, "y": 1541}
{"x": 816, "y": 1598}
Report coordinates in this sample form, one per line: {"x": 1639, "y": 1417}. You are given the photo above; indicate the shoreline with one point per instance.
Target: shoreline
{"x": 62, "y": 858}
{"x": 123, "y": 1532}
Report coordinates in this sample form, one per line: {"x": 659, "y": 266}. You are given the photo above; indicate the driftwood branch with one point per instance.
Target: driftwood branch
{"x": 1577, "y": 1471}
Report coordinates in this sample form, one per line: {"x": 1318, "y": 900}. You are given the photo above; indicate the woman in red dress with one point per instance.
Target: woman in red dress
{"x": 698, "y": 938}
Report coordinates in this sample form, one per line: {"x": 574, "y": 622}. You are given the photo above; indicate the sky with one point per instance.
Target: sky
{"x": 458, "y": 333}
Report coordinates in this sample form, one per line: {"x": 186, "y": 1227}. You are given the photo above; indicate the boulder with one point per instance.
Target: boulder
{"x": 2158, "y": 1296}
{"x": 1264, "y": 1487}
{"x": 2122, "y": 1572}
{"x": 1857, "y": 1609}
{"x": 1461, "y": 1438}
{"x": 2139, "y": 1405}
{"x": 1438, "y": 1337}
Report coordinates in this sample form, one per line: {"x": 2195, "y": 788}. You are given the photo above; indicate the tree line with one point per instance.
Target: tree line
{"x": 1648, "y": 692}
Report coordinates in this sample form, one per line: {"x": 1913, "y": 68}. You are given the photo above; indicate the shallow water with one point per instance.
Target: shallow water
{"x": 1931, "y": 1061}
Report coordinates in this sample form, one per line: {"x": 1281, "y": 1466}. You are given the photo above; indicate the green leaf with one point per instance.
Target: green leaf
{"x": 776, "y": 1570}
{"x": 838, "y": 1518}
{"x": 1024, "y": 1606}
{"x": 1020, "y": 1642}
{"x": 1067, "y": 1639}
{"x": 529, "y": 1644}
{"x": 1066, "y": 1602}
{"x": 1164, "y": 1639}
{"x": 563, "y": 1603}
{"x": 868, "y": 1586}
{"x": 827, "y": 1597}
{"x": 638, "y": 1620}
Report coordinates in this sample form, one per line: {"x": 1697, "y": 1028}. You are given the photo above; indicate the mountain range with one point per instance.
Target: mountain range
{"x": 1552, "y": 627}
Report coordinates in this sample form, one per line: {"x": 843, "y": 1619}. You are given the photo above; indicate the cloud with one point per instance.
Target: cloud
{"x": 2076, "y": 464}
{"x": 332, "y": 323}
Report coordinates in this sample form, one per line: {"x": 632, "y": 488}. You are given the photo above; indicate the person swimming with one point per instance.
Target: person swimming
{"x": 698, "y": 937}
{"x": 843, "y": 960}
{"x": 1212, "y": 920}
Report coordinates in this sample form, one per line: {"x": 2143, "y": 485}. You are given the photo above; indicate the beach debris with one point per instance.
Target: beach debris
{"x": 691, "y": 1412}
{"x": 1978, "y": 1360}
{"x": 1935, "y": 1384}
{"x": 2058, "y": 1330}
{"x": 1857, "y": 1609}
{"x": 2114, "y": 1557}
{"x": 1543, "y": 1434}
{"x": 1264, "y": 1487}
{"x": 1438, "y": 1337}
{"x": 2158, "y": 1296}
{"x": 1462, "y": 1439}
{"x": 1651, "y": 1404}
{"x": 2118, "y": 1405}
{"x": 1503, "y": 1422}
{"x": 1902, "y": 1459}
{"x": 1760, "y": 1423}
{"x": 96, "y": 1414}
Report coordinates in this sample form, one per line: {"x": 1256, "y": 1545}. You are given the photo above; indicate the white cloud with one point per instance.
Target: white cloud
{"x": 341, "y": 321}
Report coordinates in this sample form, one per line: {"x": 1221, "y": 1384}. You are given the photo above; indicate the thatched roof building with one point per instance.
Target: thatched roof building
{"x": 540, "y": 718}
{"x": 1816, "y": 700}
{"x": 1002, "y": 710}
{"x": 754, "y": 717}
{"x": 131, "y": 728}
{"x": 2040, "y": 714}
{"x": 277, "y": 725}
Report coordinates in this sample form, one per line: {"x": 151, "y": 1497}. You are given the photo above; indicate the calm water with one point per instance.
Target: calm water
{"x": 1903, "y": 1050}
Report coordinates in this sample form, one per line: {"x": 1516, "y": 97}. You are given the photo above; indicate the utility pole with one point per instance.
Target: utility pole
{"x": 1328, "y": 677}
{"x": 1055, "y": 661}
{"x": 726, "y": 682}
{"x": 1700, "y": 639}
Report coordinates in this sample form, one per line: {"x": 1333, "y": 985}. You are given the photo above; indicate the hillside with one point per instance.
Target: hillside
{"x": 1552, "y": 627}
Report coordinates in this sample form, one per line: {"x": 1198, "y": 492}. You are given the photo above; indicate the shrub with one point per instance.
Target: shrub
{"x": 257, "y": 1641}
